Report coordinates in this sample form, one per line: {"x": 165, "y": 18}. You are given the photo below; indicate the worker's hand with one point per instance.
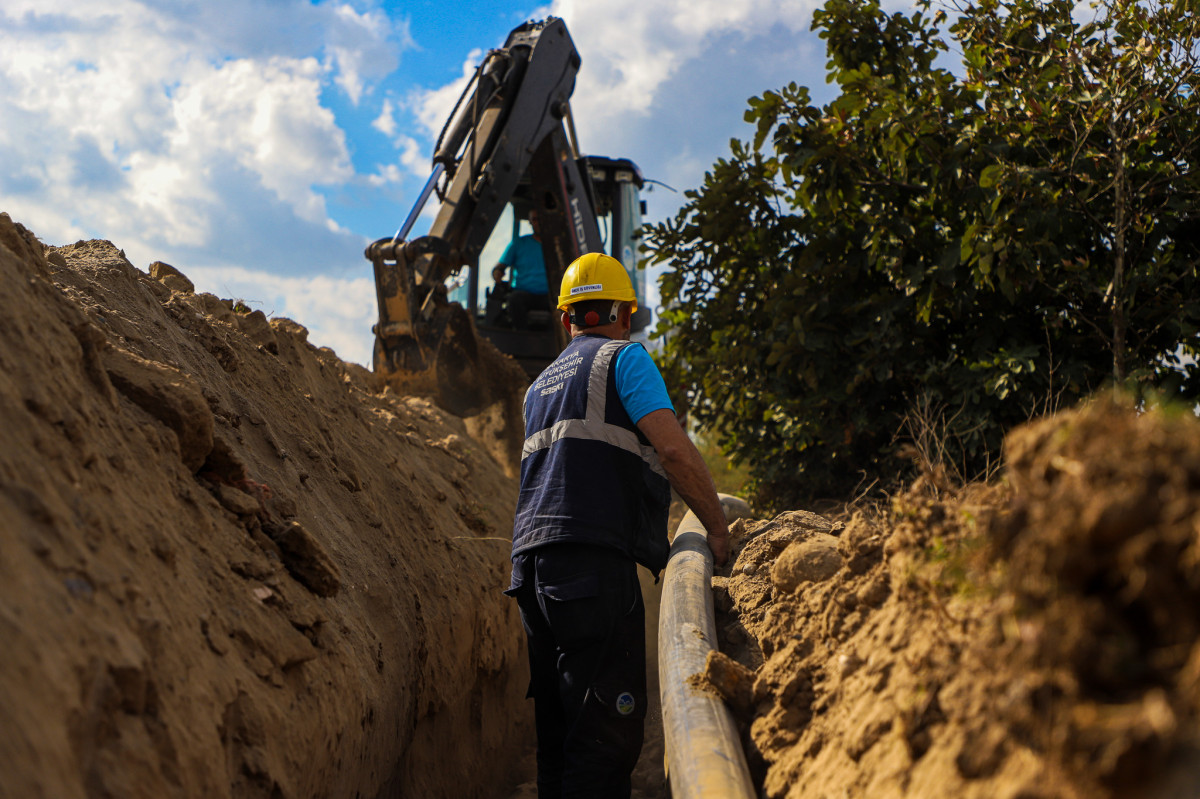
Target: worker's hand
{"x": 497, "y": 273}
{"x": 718, "y": 543}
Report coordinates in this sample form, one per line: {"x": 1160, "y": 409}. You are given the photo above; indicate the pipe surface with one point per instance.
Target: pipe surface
{"x": 703, "y": 748}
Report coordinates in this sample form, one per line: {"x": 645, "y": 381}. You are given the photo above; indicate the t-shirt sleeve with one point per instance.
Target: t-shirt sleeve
{"x": 639, "y": 383}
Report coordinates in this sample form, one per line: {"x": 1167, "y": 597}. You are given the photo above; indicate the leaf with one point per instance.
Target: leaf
{"x": 990, "y": 176}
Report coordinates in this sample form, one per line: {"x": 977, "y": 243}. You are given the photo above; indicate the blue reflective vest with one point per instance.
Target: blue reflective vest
{"x": 588, "y": 475}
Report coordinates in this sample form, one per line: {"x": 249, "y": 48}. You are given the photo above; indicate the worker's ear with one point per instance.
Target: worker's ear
{"x": 566, "y": 321}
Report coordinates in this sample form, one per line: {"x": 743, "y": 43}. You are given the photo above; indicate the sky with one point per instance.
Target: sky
{"x": 259, "y": 145}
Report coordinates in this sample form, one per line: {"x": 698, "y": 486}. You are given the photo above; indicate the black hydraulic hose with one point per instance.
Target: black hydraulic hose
{"x": 437, "y": 148}
{"x": 704, "y": 751}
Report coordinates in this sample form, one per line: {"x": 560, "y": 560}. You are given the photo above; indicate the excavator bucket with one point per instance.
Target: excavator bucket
{"x": 446, "y": 360}
{"x": 460, "y": 386}
{"x": 424, "y": 345}
{"x": 441, "y": 364}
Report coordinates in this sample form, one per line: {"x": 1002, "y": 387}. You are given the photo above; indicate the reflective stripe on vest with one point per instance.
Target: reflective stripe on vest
{"x": 593, "y": 427}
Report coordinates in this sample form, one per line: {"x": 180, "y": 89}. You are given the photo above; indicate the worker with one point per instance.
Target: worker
{"x": 602, "y": 450}
{"x": 529, "y": 286}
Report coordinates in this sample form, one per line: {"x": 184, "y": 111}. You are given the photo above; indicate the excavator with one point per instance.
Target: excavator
{"x": 508, "y": 149}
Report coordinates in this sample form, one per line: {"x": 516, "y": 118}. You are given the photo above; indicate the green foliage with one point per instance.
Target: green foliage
{"x": 728, "y": 477}
{"x": 988, "y": 241}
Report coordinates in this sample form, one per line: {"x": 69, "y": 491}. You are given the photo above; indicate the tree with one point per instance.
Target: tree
{"x": 927, "y": 239}
{"x": 1096, "y": 135}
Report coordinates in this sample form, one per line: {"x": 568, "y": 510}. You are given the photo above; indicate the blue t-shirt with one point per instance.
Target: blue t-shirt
{"x": 524, "y": 256}
{"x": 639, "y": 383}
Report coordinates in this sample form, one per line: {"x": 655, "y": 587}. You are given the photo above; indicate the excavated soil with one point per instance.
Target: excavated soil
{"x": 230, "y": 565}
{"x": 1039, "y": 637}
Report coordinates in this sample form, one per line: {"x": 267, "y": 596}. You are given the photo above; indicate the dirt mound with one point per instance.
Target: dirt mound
{"x": 228, "y": 566}
{"x": 1033, "y": 639}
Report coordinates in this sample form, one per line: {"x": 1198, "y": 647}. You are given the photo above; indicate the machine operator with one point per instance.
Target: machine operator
{"x": 529, "y": 286}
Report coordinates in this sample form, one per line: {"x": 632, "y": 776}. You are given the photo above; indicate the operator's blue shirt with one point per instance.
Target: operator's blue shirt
{"x": 524, "y": 256}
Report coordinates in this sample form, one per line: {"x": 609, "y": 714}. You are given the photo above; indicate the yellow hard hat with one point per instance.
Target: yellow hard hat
{"x": 596, "y": 276}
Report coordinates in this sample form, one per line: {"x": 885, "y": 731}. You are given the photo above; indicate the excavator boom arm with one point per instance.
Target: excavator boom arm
{"x": 507, "y": 130}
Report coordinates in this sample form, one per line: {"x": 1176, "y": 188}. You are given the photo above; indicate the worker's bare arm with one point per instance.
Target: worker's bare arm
{"x": 689, "y": 476}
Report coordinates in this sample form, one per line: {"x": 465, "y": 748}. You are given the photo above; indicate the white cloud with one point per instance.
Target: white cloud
{"x": 359, "y": 45}
{"x": 432, "y": 107}
{"x": 155, "y": 124}
{"x": 414, "y": 156}
{"x": 387, "y": 173}
{"x": 385, "y": 123}
{"x": 269, "y": 119}
{"x": 632, "y": 48}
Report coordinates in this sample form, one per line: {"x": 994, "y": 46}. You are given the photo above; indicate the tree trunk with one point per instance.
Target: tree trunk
{"x": 1117, "y": 305}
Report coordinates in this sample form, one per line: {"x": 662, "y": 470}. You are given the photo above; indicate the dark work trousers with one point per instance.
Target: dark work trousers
{"x": 585, "y": 624}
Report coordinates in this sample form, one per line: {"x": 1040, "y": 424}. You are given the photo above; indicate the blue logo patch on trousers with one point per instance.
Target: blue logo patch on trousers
{"x": 625, "y": 703}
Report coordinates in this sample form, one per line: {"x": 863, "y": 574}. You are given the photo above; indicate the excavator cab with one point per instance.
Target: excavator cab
{"x": 525, "y": 327}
